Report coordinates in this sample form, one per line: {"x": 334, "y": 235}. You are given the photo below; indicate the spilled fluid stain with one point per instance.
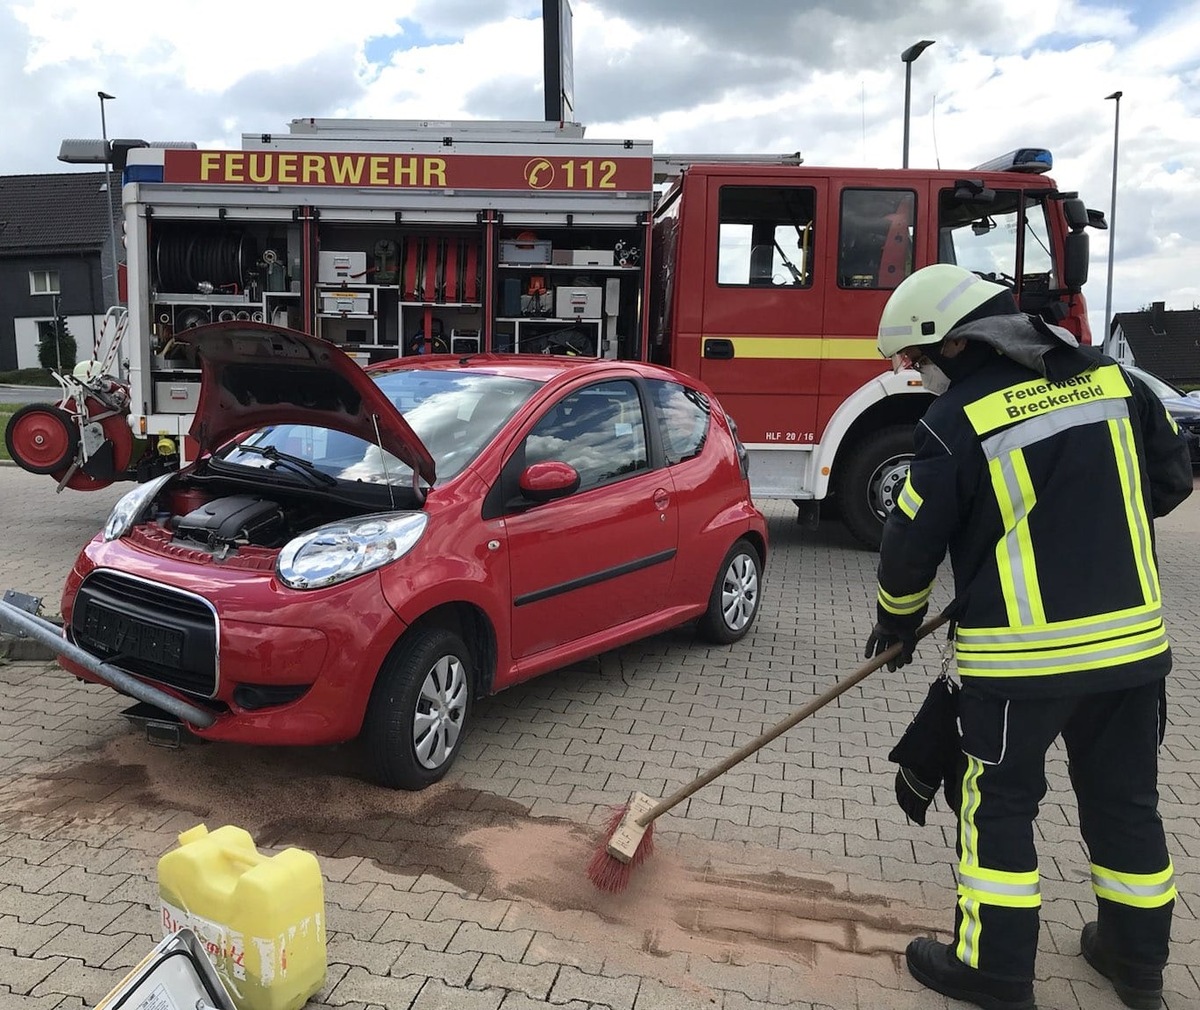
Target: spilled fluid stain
{"x": 485, "y": 844}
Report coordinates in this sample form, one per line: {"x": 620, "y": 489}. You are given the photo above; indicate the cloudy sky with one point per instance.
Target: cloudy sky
{"x": 820, "y": 76}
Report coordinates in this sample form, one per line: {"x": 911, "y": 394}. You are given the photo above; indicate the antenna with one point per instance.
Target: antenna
{"x": 863, "y": 99}
{"x": 933, "y": 126}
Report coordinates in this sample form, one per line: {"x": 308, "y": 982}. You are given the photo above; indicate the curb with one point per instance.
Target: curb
{"x": 18, "y": 649}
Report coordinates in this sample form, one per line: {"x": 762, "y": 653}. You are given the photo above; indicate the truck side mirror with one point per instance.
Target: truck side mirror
{"x": 1075, "y": 266}
{"x": 1076, "y": 213}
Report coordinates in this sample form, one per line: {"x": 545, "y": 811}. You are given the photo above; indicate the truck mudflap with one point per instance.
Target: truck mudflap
{"x": 51, "y": 635}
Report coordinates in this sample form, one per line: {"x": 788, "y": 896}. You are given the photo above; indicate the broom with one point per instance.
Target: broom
{"x": 628, "y": 838}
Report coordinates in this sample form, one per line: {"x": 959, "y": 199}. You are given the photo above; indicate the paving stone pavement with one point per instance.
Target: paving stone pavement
{"x": 791, "y": 881}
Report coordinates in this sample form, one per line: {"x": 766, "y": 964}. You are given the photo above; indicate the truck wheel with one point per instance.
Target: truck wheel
{"x": 418, "y": 712}
{"x": 41, "y": 438}
{"x": 871, "y": 479}
{"x": 733, "y": 602}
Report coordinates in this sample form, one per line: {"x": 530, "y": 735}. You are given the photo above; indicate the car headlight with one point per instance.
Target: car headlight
{"x": 340, "y": 551}
{"x": 129, "y": 507}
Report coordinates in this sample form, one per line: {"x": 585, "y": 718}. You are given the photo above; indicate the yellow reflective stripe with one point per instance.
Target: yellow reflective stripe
{"x": 903, "y": 605}
{"x": 1139, "y": 890}
{"x": 1135, "y": 507}
{"x": 1041, "y": 664}
{"x": 1015, "y": 559}
{"x": 909, "y": 502}
{"x": 1055, "y": 634}
{"x": 971, "y": 927}
{"x": 1039, "y": 397}
{"x": 790, "y": 347}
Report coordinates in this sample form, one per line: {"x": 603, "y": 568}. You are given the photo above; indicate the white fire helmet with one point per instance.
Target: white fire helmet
{"x": 928, "y": 304}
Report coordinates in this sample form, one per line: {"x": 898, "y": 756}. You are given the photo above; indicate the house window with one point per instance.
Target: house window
{"x": 43, "y": 282}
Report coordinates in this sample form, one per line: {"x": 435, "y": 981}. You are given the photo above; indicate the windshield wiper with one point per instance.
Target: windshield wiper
{"x": 296, "y": 463}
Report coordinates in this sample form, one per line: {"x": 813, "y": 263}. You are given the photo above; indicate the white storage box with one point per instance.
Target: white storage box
{"x": 333, "y": 267}
{"x": 526, "y": 251}
{"x": 176, "y": 397}
{"x": 577, "y": 303}
{"x": 584, "y": 257}
{"x": 345, "y": 301}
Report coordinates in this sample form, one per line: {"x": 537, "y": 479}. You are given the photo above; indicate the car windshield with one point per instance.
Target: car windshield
{"x": 454, "y": 413}
{"x": 1159, "y": 387}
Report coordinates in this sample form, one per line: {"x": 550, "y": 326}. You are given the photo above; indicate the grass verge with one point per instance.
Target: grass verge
{"x": 6, "y": 412}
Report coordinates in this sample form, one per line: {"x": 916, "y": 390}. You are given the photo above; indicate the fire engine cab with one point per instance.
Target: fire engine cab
{"x": 763, "y": 276}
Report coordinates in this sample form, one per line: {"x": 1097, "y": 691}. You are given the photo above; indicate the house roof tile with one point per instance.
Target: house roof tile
{"x": 63, "y": 210}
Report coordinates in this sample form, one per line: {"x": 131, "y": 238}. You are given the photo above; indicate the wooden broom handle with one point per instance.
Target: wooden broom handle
{"x": 841, "y": 687}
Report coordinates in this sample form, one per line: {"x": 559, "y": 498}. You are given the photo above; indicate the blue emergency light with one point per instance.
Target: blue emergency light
{"x": 1024, "y": 159}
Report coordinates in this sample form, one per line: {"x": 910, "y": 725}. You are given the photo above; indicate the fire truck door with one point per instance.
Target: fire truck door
{"x": 875, "y": 234}
{"x": 763, "y": 315}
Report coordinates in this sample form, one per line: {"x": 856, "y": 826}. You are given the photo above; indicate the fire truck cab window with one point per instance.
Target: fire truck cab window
{"x": 766, "y": 236}
{"x": 1003, "y": 238}
{"x": 875, "y": 242}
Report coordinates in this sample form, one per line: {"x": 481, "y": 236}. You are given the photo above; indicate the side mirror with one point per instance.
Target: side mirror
{"x": 1076, "y": 214}
{"x": 543, "y": 482}
{"x": 1075, "y": 267}
{"x": 1096, "y": 219}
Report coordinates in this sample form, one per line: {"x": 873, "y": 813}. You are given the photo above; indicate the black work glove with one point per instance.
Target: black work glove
{"x": 929, "y": 752}
{"x": 882, "y": 637}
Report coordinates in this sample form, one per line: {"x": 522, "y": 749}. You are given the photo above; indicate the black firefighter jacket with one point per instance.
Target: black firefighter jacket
{"x": 1044, "y": 494}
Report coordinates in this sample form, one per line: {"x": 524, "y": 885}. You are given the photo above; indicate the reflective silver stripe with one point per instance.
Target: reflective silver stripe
{"x": 968, "y": 879}
{"x": 968, "y": 943}
{"x": 1133, "y": 890}
{"x": 956, "y": 292}
{"x": 895, "y": 331}
{"x": 1140, "y": 531}
{"x": 1051, "y": 636}
{"x": 1012, "y": 541}
{"x": 1035, "y": 429}
{"x": 969, "y": 662}
{"x": 909, "y": 502}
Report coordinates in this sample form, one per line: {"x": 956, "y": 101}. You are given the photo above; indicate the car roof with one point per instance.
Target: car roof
{"x": 539, "y": 367}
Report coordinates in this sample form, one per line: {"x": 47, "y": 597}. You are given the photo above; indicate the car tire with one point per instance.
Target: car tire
{"x": 870, "y": 480}
{"x": 419, "y": 710}
{"x": 733, "y": 602}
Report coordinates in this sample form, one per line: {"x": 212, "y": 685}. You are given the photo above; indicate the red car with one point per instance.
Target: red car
{"x": 367, "y": 552}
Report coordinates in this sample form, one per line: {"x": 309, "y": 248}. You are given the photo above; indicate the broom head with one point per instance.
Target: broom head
{"x": 625, "y": 844}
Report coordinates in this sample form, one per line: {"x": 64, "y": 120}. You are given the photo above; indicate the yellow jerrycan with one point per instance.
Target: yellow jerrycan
{"x": 260, "y": 918}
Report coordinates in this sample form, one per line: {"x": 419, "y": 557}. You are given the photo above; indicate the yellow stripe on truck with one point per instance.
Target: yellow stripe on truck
{"x": 809, "y": 348}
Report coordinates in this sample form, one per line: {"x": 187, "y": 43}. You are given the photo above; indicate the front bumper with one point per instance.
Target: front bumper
{"x": 277, "y": 666}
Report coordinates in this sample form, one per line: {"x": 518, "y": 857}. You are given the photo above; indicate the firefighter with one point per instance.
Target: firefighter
{"x": 1039, "y": 468}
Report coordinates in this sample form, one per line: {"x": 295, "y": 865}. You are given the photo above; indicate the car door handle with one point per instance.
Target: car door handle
{"x": 662, "y": 498}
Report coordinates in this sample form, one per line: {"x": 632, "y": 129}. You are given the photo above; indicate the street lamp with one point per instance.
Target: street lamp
{"x": 907, "y": 57}
{"x": 108, "y": 193}
{"x": 1112, "y": 214}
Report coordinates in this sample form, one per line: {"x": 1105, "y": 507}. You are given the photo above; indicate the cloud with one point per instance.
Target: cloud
{"x": 823, "y": 77}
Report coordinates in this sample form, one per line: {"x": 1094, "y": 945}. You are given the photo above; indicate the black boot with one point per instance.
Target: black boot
{"x": 1138, "y": 986}
{"x": 934, "y": 965}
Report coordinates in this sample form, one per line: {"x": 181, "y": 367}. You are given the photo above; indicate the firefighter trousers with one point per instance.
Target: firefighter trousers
{"x": 1112, "y": 742}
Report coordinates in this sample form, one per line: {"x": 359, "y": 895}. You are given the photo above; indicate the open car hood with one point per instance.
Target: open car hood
{"x": 255, "y": 374}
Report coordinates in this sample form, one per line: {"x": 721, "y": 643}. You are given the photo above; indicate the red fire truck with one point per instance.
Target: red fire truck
{"x": 763, "y": 276}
